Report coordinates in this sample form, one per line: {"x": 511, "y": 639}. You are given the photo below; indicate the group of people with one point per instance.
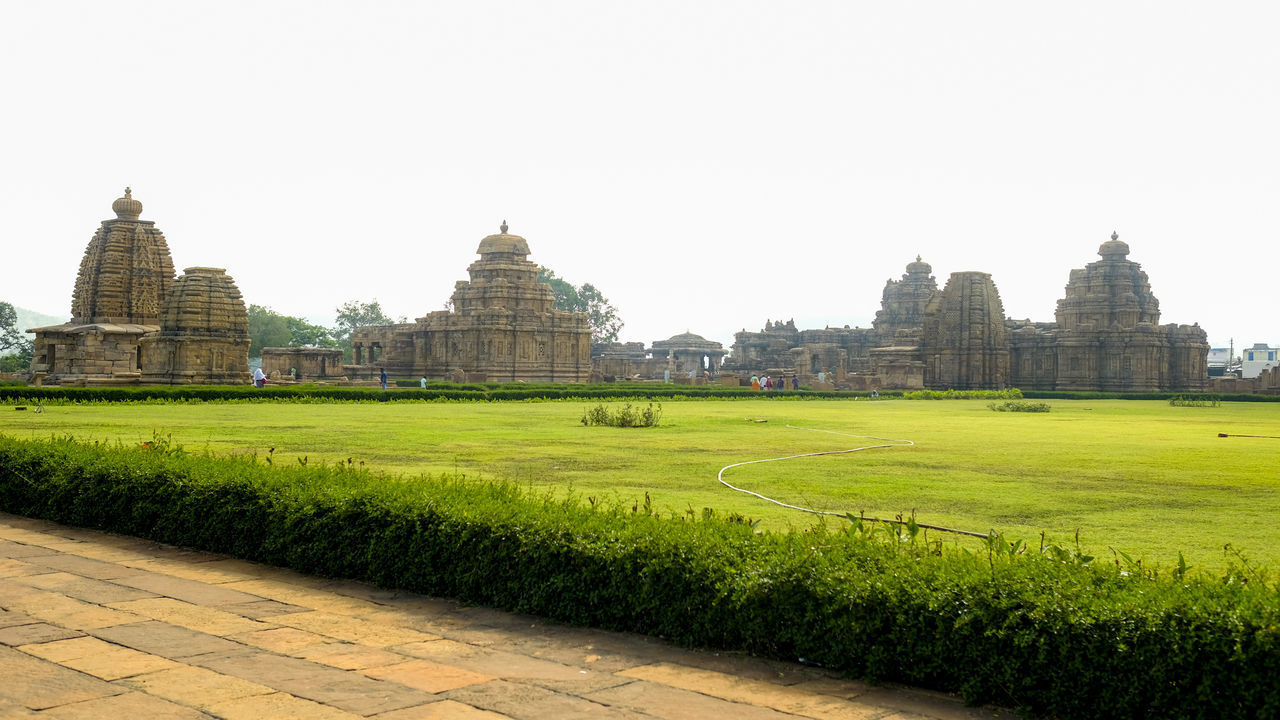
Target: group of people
{"x": 768, "y": 383}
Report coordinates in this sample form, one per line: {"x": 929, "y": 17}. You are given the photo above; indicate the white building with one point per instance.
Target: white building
{"x": 1258, "y": 358}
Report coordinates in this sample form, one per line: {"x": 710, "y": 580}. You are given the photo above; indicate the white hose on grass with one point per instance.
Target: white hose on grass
{"x": 885, "y": 443}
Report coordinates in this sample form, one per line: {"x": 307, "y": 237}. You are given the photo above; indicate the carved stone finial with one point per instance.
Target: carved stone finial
{"x": 503, "y": 227}
{"x": 1115, "y": 235}
{"x": 126, "y": 208}
{"x": 917, "y": 258}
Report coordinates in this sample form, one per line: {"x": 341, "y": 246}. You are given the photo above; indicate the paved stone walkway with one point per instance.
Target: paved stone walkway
{"x": 102, "y": 626}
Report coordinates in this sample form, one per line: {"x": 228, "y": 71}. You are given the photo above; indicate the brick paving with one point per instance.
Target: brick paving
{"x": 98, "y": 626}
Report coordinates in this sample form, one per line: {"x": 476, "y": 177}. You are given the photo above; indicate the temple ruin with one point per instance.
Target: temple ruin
{"x": 502, "y": 327}
{"x": 132, "y": 321}
{"x": 303, "y": 364}
{"x": 686, "y": 357}
{"x": 1106, "y": 337}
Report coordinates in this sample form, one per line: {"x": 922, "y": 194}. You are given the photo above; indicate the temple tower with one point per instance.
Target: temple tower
{"x": 1110, "y": 293}
{"x": 126, "y": 271}
{"x": 964, "y": 343}
{"x": 125, "y": 276}
{"x": 903, "y": 304}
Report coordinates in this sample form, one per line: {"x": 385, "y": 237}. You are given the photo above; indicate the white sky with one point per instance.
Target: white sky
{"x": 707, "y": 165}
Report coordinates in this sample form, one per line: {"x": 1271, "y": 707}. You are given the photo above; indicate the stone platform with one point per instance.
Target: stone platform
{"x": 102, "y": 626}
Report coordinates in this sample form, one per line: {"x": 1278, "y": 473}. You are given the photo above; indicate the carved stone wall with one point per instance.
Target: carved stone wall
{"x": 308, "y": 363}
{"x": 503, "y": 327}
{"x": 964, "y": 342}
{"x": 204, "y": 333}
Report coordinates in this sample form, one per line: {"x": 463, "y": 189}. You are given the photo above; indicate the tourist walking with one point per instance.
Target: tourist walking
{"x": 259, "y": 379}
{"x": 382, "y": 377}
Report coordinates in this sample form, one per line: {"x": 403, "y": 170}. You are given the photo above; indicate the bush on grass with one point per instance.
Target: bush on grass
{"x": 1020, "y": 406}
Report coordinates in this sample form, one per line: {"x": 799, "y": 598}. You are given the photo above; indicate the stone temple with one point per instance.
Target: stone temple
{"x": 132, "y": 321}
{"x": 1106, "y": 337}
{"x": 502, "y": 327}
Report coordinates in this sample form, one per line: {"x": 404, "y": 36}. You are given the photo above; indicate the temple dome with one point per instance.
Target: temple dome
{"x": 686, "y": 340}
{"x": 126, "y": 208}
{"x": 1114, "y": 249}
{"x": 503, "y": 243}
{"x": 919, "y": 267}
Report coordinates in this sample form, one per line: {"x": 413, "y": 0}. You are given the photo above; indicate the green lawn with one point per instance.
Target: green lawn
{"x": 1139, "y": 476}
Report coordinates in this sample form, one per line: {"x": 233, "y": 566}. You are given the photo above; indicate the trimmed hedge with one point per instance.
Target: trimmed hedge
{"x": 1041, "y": 632}
{"x": 437, "y": 391}
{"x": 529, "y": 391}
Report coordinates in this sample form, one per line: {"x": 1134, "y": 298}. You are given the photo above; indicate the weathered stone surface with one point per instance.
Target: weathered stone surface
{"x": 503, "y": 327}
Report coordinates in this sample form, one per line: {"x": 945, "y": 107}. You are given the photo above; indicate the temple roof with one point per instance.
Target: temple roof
{"x": 503, "y": 243}
{"x": 919, "y": 267}
{"x": 686, "y": 340}
{"x": 1114, "y": 249}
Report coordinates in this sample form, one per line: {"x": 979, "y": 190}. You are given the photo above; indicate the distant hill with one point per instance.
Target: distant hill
{"x": 28, "y": 319}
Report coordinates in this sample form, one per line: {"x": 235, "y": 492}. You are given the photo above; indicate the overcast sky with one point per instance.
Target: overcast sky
{"x": 707, "y": 165}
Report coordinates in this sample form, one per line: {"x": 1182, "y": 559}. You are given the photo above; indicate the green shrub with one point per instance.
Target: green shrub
{"x": 1020, "y": 406}
{"x": 962, "y": 394}
{"x": 1196, "y": 400}
{"x": 1049, "y": 632}
{"x": 626, "y": 416}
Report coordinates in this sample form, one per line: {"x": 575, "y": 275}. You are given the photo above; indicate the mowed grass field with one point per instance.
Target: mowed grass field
{"x": 1138, "y": 476}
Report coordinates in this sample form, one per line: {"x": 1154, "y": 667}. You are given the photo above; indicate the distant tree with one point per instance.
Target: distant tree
{"x": 15, "y": 347}
{"x": 354, "y": 314}
{"x": 268, "y": 328}
{"x": 566, "y": 294}
{"x": 304, "y": 334}
{"x": 601, "y": 314}
{"x": 605, "y": 323}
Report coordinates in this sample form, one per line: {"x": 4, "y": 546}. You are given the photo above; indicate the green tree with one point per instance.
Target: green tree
{"x": 268, "y": 328}
{"x": 354, "y": 314}
{"x": 15, "y": 347}
{"x": 304, "y": 334}
{"x": 601, "y": 314}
